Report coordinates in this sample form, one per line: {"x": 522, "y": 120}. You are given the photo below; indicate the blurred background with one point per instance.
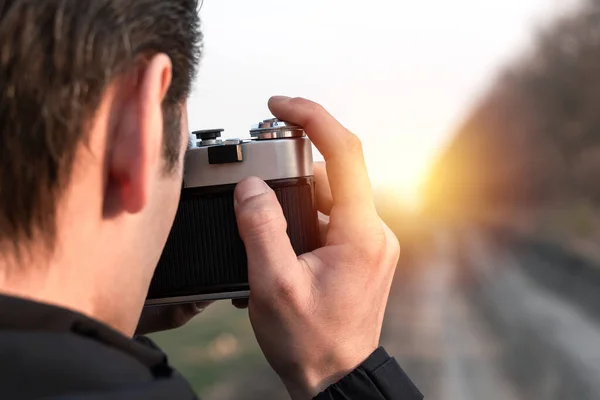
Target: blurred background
{"x": 481, "y": 127}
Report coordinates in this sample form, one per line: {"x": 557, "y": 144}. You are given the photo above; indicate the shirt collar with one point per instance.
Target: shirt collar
{"x": 18, "y": 314}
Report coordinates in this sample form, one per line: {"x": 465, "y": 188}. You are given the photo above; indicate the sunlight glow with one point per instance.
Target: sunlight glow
{"x": 400, "y": 74}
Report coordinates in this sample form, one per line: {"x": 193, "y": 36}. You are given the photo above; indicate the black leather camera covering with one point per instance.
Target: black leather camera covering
{"x": 205, "y": 254}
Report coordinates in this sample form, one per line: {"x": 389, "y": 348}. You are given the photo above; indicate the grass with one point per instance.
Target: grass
{"x": 213, "y": 347}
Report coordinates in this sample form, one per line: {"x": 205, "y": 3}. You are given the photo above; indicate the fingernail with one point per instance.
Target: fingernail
{"x": 280, "y": 98}
{"x": 249, "y": 188}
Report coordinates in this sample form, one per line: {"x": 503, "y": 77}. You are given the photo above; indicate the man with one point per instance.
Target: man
{"x": 93, "y": 130}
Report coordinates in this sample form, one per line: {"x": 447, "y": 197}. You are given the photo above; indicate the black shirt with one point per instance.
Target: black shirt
{"x": 52, "y": 353}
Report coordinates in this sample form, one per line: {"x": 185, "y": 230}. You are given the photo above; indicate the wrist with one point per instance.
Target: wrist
{"x": 306, "y": 382}
{"x": 308, "y": 386}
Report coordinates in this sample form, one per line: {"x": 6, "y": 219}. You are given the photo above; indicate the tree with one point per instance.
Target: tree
{"x": 534, "y": 139}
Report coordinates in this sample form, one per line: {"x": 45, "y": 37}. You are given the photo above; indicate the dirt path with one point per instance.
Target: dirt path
{"x": 466, "y": 323}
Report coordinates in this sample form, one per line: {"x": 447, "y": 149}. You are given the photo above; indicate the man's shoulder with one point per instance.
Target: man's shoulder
{"x": 69, "y": 366}
{"x": 53, "y": 353}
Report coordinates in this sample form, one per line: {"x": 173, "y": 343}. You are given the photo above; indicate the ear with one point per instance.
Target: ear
{"x": 136, "y": 142}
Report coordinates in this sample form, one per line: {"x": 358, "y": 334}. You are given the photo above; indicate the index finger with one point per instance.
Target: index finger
{"x": 342, "y": 150}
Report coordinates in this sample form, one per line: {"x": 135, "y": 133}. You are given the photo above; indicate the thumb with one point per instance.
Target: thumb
{"x": 262, "y": 226}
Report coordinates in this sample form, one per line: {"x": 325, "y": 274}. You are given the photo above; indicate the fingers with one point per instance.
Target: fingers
{"x": 163, "y": 318}
{"x": 262, "y": 227}
{"x": 241, "y": 304}
{"x": 324, "y": 199}
{"x": 350, "y": 186}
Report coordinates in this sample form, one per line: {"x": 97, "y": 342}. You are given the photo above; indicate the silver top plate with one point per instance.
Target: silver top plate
{"x": 266, "y": 159}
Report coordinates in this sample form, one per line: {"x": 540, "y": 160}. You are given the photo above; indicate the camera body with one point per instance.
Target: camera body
{"x": 204, "y": 258}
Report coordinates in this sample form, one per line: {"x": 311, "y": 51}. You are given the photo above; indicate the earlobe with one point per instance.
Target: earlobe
{"x": 135, "y": 154}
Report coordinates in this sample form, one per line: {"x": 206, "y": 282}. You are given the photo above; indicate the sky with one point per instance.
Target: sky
{"x": 400, "y": 74}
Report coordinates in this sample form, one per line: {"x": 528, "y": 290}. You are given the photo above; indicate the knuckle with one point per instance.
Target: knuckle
{"x": 308, "y": 104}
{"x": 285, "y": 290}
{"x": 354, "y": 144}
{"x": 263, "y": 223}
{"x": 261, "y": 217}
{"x": 393, "y": 245}
{"x": 311, "y": 110}
{"x": 299, "y": 101}
{"x": 282, "y": 297}
{"x": 257, "y": 220}
{"x": 396, "y": 250}
{"x": 375, "y": 249}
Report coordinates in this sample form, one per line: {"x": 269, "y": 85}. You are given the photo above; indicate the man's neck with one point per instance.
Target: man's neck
{"x": 54, "y": 285}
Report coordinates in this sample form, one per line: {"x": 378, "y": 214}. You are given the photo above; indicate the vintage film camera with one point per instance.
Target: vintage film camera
{"x": 204, "y": 258}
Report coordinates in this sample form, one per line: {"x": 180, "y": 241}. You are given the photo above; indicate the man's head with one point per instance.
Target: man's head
{"x": 92, "y": 135}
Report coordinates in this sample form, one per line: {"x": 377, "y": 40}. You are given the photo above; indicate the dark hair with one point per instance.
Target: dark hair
{"x": 57, "y": 58}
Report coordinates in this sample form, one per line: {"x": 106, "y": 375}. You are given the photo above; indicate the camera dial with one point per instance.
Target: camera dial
{"x": 275, "y": 129}
{"x": 209, "y": 137}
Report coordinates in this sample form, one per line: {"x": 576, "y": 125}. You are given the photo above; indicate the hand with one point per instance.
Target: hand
{"x": 164, "y": 318}
{"x": 318, "y": 316}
